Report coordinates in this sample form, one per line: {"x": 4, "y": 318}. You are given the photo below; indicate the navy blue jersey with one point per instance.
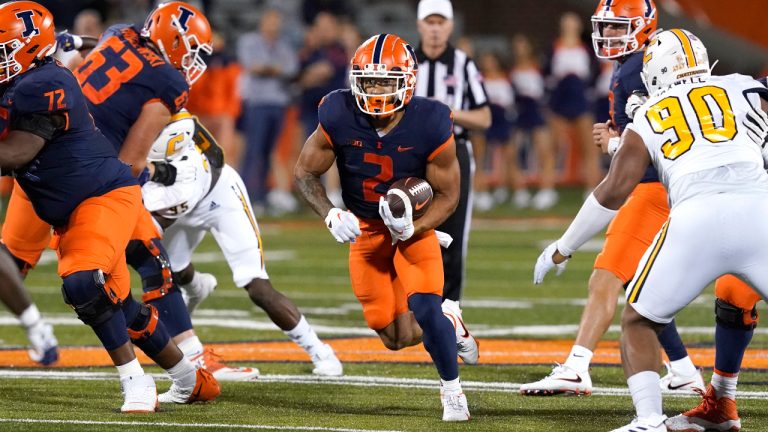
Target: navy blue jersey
{"x": 625, "y": 80}
{"x": 369, "y": 164}
{"x": 77, "y": 163}
{"x": 121, "y": 75}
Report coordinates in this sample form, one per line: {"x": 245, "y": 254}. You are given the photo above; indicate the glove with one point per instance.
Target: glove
{"x": 756, "y": 123}
{"x": 66, "y": 41}
{"x": 343, "y": 225}
{"x": 634, "y": 102}
{"x": 444, "y": 239}
{"x": 400, "y": 228}
{"x": 165, "y": 173}
{"x": 186, "y": 170}
{"x": 545, "y": 263}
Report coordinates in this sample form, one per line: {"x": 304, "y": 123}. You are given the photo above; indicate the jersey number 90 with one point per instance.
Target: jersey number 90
{"x": 668, "y": 114}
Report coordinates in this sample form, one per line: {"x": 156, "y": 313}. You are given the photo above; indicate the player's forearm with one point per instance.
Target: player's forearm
{"x": 312, "y": 189}
{"x": 442, "y": 207}
{"x": 479, "y": 118}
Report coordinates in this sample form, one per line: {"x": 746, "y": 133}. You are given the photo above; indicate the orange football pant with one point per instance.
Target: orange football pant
{"x": 384, "y": 275}
{"x": 96, "y": 237}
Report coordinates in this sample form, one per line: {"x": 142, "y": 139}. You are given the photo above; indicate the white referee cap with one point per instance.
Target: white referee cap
{"x": 434, "y": 7}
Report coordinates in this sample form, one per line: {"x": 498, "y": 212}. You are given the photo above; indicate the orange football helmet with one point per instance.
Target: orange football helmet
{"x": 180, "y": 31}
{"x": 383, "y": 61}
{"x": 633, "y": 21}
{"x": 26, "y": 35}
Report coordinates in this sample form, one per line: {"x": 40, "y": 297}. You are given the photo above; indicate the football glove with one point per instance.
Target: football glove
{"x": 545, "y": 263}
{"x": 186, "y": 169}
{"x": 66, "y": 41}
{"x": 164, "y": 174}
{"x": 343, "y": 225}
{"x": 399, "y": 228}
{"x": 444, "y": 239}
{"x": 756, "y": 123}
{"x": 634, "y": 102}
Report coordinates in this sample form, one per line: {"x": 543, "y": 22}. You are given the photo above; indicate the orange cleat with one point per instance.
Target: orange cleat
{"x": 711, "y": 414}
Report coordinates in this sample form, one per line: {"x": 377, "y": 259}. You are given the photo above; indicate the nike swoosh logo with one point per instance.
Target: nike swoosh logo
{"x": 420, "y": 205}
{"x": 466, "y": 332}
{"x": 401, "y": 149}
{"x": 671, "y": 387}
{"x": 573, "y": 380}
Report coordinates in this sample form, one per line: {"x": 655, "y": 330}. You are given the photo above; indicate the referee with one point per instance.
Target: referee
{"x": 447, "y": 74}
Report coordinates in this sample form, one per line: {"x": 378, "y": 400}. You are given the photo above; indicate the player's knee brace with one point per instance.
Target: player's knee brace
{"x": 732, "y": 316}
{"x": 85, "y": 292}
{"x": 23, "y": 266}
{"x": 151, "y": 261}
{"x": 144, "y": 327}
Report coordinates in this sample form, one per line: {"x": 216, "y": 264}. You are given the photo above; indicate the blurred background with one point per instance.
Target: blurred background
{"x": 260, "y": 102}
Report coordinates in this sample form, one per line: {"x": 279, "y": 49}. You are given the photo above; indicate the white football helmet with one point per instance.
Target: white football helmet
{"x": 671, "y": 56}
{"x": 174, "y": 138}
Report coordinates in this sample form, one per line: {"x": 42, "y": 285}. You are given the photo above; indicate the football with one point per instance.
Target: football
{"x": 418, "y": 191}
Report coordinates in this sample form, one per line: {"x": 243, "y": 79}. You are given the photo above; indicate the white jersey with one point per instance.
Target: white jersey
{"x": 173, "y": 202}
{"x": 694, "y": 134}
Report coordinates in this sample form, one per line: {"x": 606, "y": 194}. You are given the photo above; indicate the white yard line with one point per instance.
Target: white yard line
{"x": 351, "y": 380}
{"x": 186, "y": 425}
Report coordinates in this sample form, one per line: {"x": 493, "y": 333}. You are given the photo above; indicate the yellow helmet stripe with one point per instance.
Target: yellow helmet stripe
{"x": 181, "y": 115}
{"x": 690, "y": 57}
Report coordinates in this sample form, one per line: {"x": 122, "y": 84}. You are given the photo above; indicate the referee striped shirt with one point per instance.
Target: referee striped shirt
{"x": 453, "y": 79}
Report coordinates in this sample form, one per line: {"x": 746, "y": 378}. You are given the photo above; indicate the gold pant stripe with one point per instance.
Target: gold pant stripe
{"x": 638, "y": 286}
{"x": 252, "y": 220}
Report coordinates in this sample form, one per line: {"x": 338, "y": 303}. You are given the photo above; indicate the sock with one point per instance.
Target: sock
{"x": 646, "y": 393}
{"x": 730, "y": 344}
{"x": 671, "y": 342}
{"x": 683, "y": 367}
{"x": 304, "y": 336}
{"x": 439, "y": 335}
{"x": 30, "y": 317}
{"x": 183, "y": 374}
{"x": 191, "y": 347}
{"x": 131, "y": 369}
{"x": 451, "y": 387}
{"x": 725, "y": 384}
{"x": 579, "y": 359}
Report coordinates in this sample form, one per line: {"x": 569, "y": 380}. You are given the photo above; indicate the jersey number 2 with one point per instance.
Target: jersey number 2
{"x": 384, "y": 175}
{"x": 668, "y": 114}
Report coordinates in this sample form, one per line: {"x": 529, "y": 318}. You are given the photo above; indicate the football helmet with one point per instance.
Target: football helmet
{"x": 384, "y": 60}
{"x": 671, "y": 56}
{"x": 635, "y": 21}
{"x": 181, "y": 33}
{"x": 26, "y": 35}
{"x": 174, "y": 138}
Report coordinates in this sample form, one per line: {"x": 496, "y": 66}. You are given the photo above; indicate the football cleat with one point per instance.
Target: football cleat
{"x": 206, "y": 389}
{"x": 199, "y": 289}
{"x": 326, "y": 363}
{"x": 140, "y": 394}
{"x": 654, "y": 423}
{"x": 212, "y": 362}
{"x": 562, "y": 380}
{"x": 712, "y": 414}
{"x": 467, "y": 345}
{"x": 455, "y": 407}
{"x": 43, "y": 344}
{"x": 672, "y": 382}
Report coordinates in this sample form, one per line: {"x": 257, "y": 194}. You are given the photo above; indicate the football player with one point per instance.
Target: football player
{"x": 718, "y": 192}
{"x": 215, "y": 200}
{"x": 621, "y": 29}
{"x": 71, "y": 176}
{"x": 378, "y": 133}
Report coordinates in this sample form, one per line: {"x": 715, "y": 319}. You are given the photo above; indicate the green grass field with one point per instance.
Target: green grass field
{"x": 306, "y": 264}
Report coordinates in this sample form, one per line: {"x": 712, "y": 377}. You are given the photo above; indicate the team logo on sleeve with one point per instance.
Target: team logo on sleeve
{"x": 29, "y": 25}
{"x": 183, "y": 19}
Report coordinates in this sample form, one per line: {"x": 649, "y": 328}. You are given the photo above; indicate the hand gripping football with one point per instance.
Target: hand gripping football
{"x": 418, "y": 191}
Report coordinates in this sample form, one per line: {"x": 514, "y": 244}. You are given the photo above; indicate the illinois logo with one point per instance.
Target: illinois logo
{"x": 29, "y": 25}
{"x": 183, "y": 19}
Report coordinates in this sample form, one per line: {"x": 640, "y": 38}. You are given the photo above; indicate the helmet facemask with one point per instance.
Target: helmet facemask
{"x": 377, "y": 75}
{"x": 9, "y": 67}
{"x": 612, "y": 47}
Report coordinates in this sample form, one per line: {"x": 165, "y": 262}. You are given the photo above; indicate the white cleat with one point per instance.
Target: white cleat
{"x": 326, "y": 363}
{"x": 211, "y": 361}
{"x": 204, "y": 389}
{"x": 455, "y": 408}
{"x": 199, "y": 289}
{"x": 562, "y": 380}
{"x": 140, "y": 394}
{"x": 468, "y": 347}
{"x": 672, "y": 382}
{"x": 43, "y": 344}
{"x": 654, "y": 423}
